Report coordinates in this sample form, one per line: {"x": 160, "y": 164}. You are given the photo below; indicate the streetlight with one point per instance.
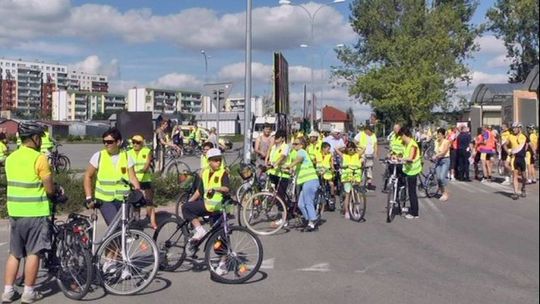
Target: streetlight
{"x": 203, "y": 52}
{"x": 247, "y": 88}
{"x": 337, "y": 46}
{"x": 311, "y": 40}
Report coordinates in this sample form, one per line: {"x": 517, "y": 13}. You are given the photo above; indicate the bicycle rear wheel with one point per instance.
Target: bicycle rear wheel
{"x": 175, "y": 168}
{"x": 233, "y": 257}
{"x": 264, "y": 213}
{"x": 63, "y": 164}
{"x": 134, "y": 272}
{"x": 431, "y": 186}
{"x": 182, "y": 199}
{"x": 357, "y": 206}
{"x": 75, "y": 270}
{"x": 390, "y": 205}
{"x": 320, "y": 202}
{"x": 171, "y": 238}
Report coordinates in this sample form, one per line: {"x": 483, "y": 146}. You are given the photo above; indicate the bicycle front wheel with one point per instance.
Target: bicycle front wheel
{"x": 171, "y": 238}
{"x": 175, "y": 168}
{"x": 264, "y": 213}
{"x": 432, "y": 186}
{"x": 357, "y": 206}
{"x": 233, "y": 257}
{"x": 182, "y": 199}
{"x": 390, "y": 205}
{"x": 320, "y": 202}
{"x": 75, "y": 271}
{"x": 63, "y": 164}
{"x": 129, "y": 274}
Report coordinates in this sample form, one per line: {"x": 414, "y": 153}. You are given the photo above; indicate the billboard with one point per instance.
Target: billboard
{"x": 281, "y": 84}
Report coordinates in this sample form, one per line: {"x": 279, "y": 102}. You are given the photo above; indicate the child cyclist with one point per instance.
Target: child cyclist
{"x": 351, "y": 173}
{"x": 324, "y": 163}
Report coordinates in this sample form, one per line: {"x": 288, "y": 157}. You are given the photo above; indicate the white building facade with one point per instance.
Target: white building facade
{"x": 76, "y": 105}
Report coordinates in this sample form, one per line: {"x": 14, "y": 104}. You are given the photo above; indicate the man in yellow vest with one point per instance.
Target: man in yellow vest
{"x": 411, "y": 169}
{"x": 209, "y": 195}
{"x": 142, "y": 155}
{"x": 4, "y": 150}
{"x": 276, "y": 159}
{"x": 396, "y": 151}
{"x": 29, "y": 187}
{"x": 325, "y": 166}
{"x": 505, "y": 134}
{"x": 517, "y": 147}
{"x": 109, "y": 166}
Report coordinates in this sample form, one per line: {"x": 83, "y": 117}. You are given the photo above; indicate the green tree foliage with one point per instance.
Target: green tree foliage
{"x": 516, "y": 22}
{"x": 409, "y": 55}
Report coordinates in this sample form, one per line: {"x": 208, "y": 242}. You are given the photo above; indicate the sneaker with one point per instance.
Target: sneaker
{"x": 199, "y": 234}
{"x": 221, "y": 270}
{"x": 483, "y": 181}
{"x": 443, "y": 198}
{"x": 8, "y": 297}
{"x": 410, "y": 216}
{"x": 347, "y": 216}
{"x": 515, "y": 196}
{"x": 277, "y": 223}
{"x": 529, "y": 182}
{"x": 310, "y": 227}
{"x": 31, "y": 297}
{"x": 523, "y": 193}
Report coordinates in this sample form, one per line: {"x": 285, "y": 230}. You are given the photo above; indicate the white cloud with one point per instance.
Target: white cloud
{"x": 500, "y": 61}
{"x": 263, "y": 73}
{"x": 92, "y": 65}
{"x": 279, "y": 27}
{"x": 489, "y": 44}
{"x": 48, "y": 48}
{"x": 122, "y": 86}
{"x": 177, "y": 81}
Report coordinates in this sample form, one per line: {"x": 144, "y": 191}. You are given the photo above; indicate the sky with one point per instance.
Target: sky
{"x": 158, "y": 43}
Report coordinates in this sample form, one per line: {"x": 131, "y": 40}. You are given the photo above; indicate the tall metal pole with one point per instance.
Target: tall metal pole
{"x": 247, "y": 89}
{"x": 205, "y": 81}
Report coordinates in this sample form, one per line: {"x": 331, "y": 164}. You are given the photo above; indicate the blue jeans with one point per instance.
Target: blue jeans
{"x": 306, "y": 200}
{"x": 443, "y": 165}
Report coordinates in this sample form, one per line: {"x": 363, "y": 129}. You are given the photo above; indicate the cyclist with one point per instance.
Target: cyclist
{"x": 505, "y": 134}
{"x": 4, "y": 150}
{"x": 324, "y": 164}
{"x": 442, "y": 157}
{"x": 314, "y": 146}
{"x": 516, "y": 149}
{"x": 164, "y": 142}
{"x": 452, "y": 137}
{"x": 208, "y": 197}
{"x": 264, "y": 142}
{"x": 352, "y": 162}
{"x": 306, "y": 176}
{"x": 532, "y": 154}
{"x": 29, "y": 187}
{"x": 367, "y": 142}
{"x": 47, "y": 143}
{"x": 142, "y": 156}
{"x": 109, "y": 166}
{"x": 396, "y": 151}
{"x": 275, "y": 160}
{"x": 195, "y": 136}
{"x": 411, "y": 169}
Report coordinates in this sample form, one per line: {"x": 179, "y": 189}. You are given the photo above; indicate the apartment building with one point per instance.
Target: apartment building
{"x": 190, "y": 102}
{"x": 8, "y": 91}
{"x": 238, "y": 104}
{"x": 78, "y": 105}
{"x": 163, "y": 101}
{"x": 81, "y": 81}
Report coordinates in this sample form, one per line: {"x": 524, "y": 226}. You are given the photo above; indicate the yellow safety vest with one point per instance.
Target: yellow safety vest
{"x": 140, "y": 161}
{"x": 351, "y": 168}
{"x": 396, "y": 145}
{"x": 214, "y": 180}
{"x": 314, "y": 150}
{"x": 363, "y": 142}
{"x": 109, "y": 185}
{"x": 3, "y": 151}
{"x": 415, "y": 167}
{"x": 26, "y": 196}
{"x": 275, "y": 153}
{"x": 306, "y": 172}
{"x": 46, "y": 143}
{"x": 325, "y": 162}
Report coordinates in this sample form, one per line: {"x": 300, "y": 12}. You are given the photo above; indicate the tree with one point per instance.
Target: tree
{"x": 409, "y": 55}
{"x": 516, "y": 22}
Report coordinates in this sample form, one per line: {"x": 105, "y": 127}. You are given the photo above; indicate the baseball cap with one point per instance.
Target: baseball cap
{"x": 314, "y": 134}
{"x": 213, "y": 153}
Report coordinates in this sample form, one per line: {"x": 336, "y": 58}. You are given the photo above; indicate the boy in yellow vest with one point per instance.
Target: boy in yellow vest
{"x": 325, "y": 166}
{"x": 352, "y": 162}
{"x": 142, "y": 156}
{"x": 208, "y": 197}
{"x": 30, "y": 185}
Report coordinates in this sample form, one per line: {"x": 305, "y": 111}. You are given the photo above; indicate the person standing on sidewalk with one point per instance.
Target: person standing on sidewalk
{"x": 517, "y": 148}
{"x": 442, "y": 159}
{"x": 30, "y": 186}
{"x": 411, "y": 169}
{"x": 367, "y": 142}
{"x": 463, "y": 154}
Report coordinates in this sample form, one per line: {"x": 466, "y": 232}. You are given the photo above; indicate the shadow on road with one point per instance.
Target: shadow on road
{"x": 504, "y": 193}
{"x": 258, "y": 277}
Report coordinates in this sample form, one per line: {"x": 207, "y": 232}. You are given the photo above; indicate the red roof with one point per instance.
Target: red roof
{"x": 331, "y": 114}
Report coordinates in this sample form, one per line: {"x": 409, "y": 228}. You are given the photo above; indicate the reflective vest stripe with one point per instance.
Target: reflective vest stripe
{"x": 140, "y": 161}
{"x": 212, "y": 181}
{"x": 27, "y": 199}
{"x": 109, "y": 185}
{"x": 24, "y": 184}
{"x": 306, "y": 173}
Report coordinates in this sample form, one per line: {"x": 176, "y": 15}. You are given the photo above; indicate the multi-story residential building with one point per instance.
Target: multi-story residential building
{"x": 190, "y": 102}
{"x": 77, "y": 105}
{"x": 163, "y": 100}
{"x": 87, "y": 82}
{"x": 8, "y": 91}
{"x": 238, "y": 104}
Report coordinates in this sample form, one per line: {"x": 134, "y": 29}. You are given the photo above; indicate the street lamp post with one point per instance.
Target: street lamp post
{"x": 203, "y": 52}
{"x": 311, "y": 41}
{"x": 247, "y": 88}
{"x": 340, "y": 45}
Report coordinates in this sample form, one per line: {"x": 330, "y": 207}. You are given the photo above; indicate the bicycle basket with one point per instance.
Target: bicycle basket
{"x": 246, "y": 172}
{"x": 136, "y": 199}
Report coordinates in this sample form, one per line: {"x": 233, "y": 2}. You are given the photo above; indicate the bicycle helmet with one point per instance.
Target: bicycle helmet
{"x": 27, "y": 129}
{"x": 531, "y": 127}
{"x": 517, "y": 124}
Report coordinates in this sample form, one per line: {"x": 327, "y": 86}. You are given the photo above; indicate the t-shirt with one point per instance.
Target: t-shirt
{"x": 94, "y": 161}
{"x": 302, "y": 153}
{"x": 42, "y": 166}
{"x": 334, "y": 143}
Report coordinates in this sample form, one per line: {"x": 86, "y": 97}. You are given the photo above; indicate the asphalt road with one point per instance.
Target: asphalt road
{"x": 479, "y": 247}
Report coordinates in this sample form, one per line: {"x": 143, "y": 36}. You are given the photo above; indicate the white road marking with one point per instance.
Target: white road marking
{"x": 2, "y": 244}
{"x": 322, "y": 267}
{"x": 268, "y": 264}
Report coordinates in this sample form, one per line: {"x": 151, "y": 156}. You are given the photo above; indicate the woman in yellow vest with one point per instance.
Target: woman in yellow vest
{"x": 314, "y": 147}
{"x": 110, "y": 166}
{"x": 142, "y": 155}
{"x": 351, "y": 164}
{"x": 306, "y": 176}
{"x": 411, "y": 169}
{"x": 208, "y": 197}
{"x": 29, "y": 187}
{"x": 275, "y": 160}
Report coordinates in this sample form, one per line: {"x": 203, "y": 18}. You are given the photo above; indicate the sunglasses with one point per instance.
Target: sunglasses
{"x": 295, "y": 143}
{"x": 136, "y": 142}
{"x": 108, "y": 141}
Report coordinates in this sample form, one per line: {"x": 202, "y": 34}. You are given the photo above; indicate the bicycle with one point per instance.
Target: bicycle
{"x": 59, "y": 162}
{"x": 192, "y": 149}
{"x": 428, "y": 149}
{"x": 427, "y": 182}
{"x": 397, "y": 197}
{"x": 357, "y": 197}
{"x": 125, "y": 259}
{"x": 68, "y": 260}
{"x": 228, "y": 249}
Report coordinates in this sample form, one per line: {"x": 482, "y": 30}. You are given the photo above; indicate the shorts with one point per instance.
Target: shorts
{"x": 146, "y": 185}
{"x": 368, "y": 165}
{"x": 347, "y": 187}
{"x": 504, "y": 155}
{"x": 518, "y": 163}
{"x": 29, "y": 236}
{"x": 109, "y": 210}
{"x": 477, "y": 157}
{"x": 486, "y": 156}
